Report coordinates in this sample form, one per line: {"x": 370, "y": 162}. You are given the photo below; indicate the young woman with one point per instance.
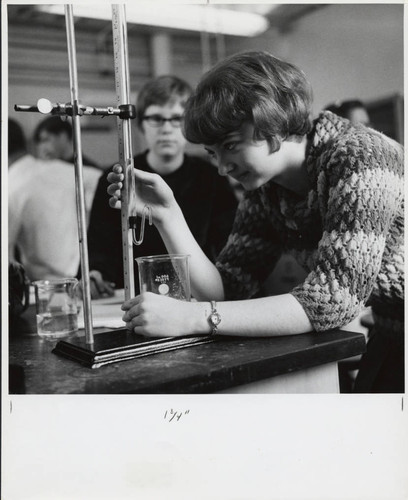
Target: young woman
{"x": 328, "y": 191}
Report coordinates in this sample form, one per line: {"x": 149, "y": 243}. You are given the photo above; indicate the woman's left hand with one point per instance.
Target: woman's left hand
{"x": 154, "y": 315}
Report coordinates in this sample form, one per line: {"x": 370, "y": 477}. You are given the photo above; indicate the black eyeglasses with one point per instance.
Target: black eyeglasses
{"x": 159, "y": 121}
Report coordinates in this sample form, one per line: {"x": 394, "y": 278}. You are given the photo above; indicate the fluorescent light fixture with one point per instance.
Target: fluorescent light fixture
{"x": 200, "y": 18}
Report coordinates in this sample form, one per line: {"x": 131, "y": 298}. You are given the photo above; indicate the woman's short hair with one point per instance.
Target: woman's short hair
{"x": 254, "y": 86}
{"x": 160, "y": 91}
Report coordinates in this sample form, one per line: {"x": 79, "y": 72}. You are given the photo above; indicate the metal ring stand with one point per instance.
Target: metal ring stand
{"x": 116, "y": 345}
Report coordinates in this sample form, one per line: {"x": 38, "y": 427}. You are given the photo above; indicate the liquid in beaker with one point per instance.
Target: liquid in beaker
{"x": 57, "y": 308}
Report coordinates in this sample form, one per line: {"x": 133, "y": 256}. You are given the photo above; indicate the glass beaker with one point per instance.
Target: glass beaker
{"x": 166, "y": 275}
{"x": 57, "y": 308}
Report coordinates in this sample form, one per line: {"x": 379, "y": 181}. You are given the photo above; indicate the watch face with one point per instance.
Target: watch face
{"x": 215, "y": 319}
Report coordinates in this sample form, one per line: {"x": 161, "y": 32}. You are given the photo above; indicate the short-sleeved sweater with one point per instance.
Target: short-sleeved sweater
{"x": 347, "y": 232}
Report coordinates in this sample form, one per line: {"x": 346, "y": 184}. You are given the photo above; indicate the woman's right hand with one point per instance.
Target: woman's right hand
{"x": 151, "y": 190}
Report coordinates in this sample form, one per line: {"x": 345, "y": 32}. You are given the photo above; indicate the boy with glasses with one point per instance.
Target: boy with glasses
{"x": 206, "y": 199}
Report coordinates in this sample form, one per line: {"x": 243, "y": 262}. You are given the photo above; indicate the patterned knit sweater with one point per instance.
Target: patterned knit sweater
{"x": 347, "y": 232}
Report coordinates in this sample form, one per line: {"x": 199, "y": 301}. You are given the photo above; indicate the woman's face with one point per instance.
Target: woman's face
{"x": 248, "y": 161}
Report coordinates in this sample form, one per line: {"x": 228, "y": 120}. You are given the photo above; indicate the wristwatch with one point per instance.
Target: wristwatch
{"x": 214, "y": 319}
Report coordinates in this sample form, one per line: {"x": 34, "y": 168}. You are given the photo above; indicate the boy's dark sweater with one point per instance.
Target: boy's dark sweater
{"x": 205, "y": 198}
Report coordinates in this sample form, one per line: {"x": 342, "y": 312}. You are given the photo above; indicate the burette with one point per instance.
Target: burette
{"x": 124, "y": 112}
{"x": 128, "y": 206}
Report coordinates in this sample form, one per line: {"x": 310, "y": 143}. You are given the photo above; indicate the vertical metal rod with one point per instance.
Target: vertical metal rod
{"x": 122, "y": 82}
{"x": 79, "y": 184}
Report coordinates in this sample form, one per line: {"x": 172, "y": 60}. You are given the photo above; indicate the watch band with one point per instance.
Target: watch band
{"x": 214, "y": 319}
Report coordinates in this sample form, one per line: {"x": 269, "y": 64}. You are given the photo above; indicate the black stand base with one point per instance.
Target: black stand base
{"x": 120, "y": 345}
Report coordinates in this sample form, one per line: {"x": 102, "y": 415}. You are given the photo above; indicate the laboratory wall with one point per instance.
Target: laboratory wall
{"x": 346, "y": 50}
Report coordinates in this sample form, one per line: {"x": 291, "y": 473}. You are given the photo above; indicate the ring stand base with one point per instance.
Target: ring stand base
{"x": 120, "y": 345}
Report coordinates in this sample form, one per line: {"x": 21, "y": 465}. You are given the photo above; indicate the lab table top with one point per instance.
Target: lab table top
{"x": 222, "y": 364}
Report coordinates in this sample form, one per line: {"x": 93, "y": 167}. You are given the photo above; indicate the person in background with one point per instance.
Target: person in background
{"x": 353, "y": 109}
{"x": 42, "y": 217}
{"x": 207, "y": 200}
{"x": 53, "y": 139}
{"x": 328, "y": 191}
